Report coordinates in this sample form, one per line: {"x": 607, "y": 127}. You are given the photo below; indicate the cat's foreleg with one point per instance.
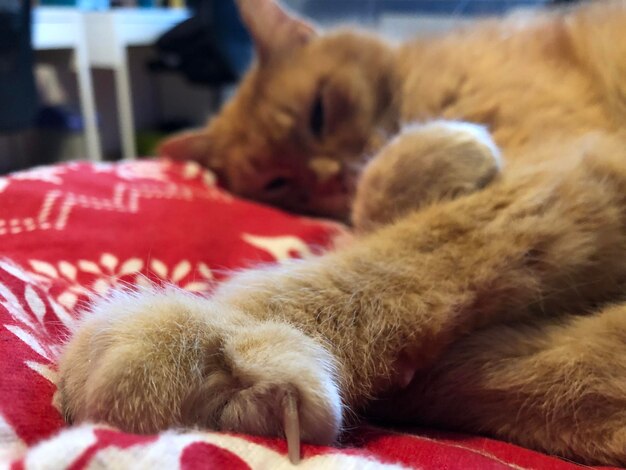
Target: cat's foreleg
{"x": 425, "y": 163}
{"x": 555, "y": 385}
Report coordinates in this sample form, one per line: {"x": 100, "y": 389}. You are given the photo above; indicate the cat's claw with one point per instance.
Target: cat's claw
{"x": 292, "y": 427}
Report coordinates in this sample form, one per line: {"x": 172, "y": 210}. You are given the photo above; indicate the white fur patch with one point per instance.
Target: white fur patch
{"x": 476, "y": 132}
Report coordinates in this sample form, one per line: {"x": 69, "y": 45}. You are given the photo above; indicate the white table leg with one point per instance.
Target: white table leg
{"x": 125, "y": 108}
{"x": 87, "y": 103}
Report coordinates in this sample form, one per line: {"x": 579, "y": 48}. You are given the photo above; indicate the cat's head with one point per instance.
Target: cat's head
{"x": 305, "y": 114}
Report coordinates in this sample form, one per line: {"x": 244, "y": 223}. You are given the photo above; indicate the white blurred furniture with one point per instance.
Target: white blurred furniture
{"x": 63, "y": 28}
{"x": 403, "y": 27}
{"x": 100, "y": 40}
{"x": 109, "y": 34}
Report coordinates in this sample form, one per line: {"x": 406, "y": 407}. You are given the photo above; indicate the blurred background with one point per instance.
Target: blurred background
{"x": 106, "y": 79}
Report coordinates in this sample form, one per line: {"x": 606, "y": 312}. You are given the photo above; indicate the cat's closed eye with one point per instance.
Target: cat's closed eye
{"x": 316, "y": 123}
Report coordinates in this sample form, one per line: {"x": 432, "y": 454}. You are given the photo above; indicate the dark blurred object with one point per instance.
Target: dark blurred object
{"x": 211, "y": 48}
{"x": 18, "y": 96}
{"x": 58, "y": 127}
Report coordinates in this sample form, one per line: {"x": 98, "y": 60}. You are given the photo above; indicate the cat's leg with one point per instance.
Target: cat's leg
{"x": 558, "y": 386}
{"x": 424, "y": 164}
{"x": 355, "y": 323}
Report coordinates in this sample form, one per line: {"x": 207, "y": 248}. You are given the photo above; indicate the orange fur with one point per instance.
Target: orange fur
{"x": 498, "y": 291}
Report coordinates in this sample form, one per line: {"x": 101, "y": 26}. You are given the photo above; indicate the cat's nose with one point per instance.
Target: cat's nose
{"x": 325, "y": 168}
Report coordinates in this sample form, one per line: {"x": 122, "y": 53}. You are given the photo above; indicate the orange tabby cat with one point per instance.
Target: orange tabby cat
{"x": 476, "y": 299}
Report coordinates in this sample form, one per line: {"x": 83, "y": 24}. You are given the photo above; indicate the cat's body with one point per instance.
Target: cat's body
{"x": 530, "y": 78}
{"x": 463, "y": 314}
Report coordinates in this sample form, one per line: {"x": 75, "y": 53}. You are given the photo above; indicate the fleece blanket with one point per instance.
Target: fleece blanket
{"x": 72, "y": 230}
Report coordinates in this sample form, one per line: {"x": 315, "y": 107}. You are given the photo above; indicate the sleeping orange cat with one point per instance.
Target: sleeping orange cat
{"x": 478, "y": 296}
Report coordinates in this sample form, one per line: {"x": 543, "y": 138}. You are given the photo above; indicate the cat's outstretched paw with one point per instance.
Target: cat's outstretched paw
{"x": 152, "y": 360}
{"x": 425, "y": 163}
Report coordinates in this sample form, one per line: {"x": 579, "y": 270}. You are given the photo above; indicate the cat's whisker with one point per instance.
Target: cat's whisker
{"x": 292, "y": 427}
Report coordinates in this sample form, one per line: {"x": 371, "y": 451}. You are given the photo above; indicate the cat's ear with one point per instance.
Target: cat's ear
{"x": 189, "y": 145}
{"x": 272, "y": 28}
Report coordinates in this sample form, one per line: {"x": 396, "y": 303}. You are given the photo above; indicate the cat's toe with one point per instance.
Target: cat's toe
{"x": 147, "y": 362}
{"x": 269, "y": 379}
{"x": 274, "y": 366}
{"x": 468, "y": 140}
{"x": 135, "y": 357}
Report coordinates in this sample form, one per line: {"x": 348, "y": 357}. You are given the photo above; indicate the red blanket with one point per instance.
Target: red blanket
{"x": 67, "y": 231}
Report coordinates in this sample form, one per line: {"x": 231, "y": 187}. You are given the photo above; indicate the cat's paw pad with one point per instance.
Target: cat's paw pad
{"x": 148, "y": 361}
{"x": 423, "y": 164}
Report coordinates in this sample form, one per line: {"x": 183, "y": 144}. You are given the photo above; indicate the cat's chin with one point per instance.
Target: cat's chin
{"x": 333, "y": 206}
{"x": 337, "y": 207}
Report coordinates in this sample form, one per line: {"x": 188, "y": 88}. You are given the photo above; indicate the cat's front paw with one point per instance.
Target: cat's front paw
{"x": 426, "y": 163}
{"x": 149, "y": 361}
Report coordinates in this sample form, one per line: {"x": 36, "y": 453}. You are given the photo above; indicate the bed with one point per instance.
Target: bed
{"x": 67, "y": 231}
